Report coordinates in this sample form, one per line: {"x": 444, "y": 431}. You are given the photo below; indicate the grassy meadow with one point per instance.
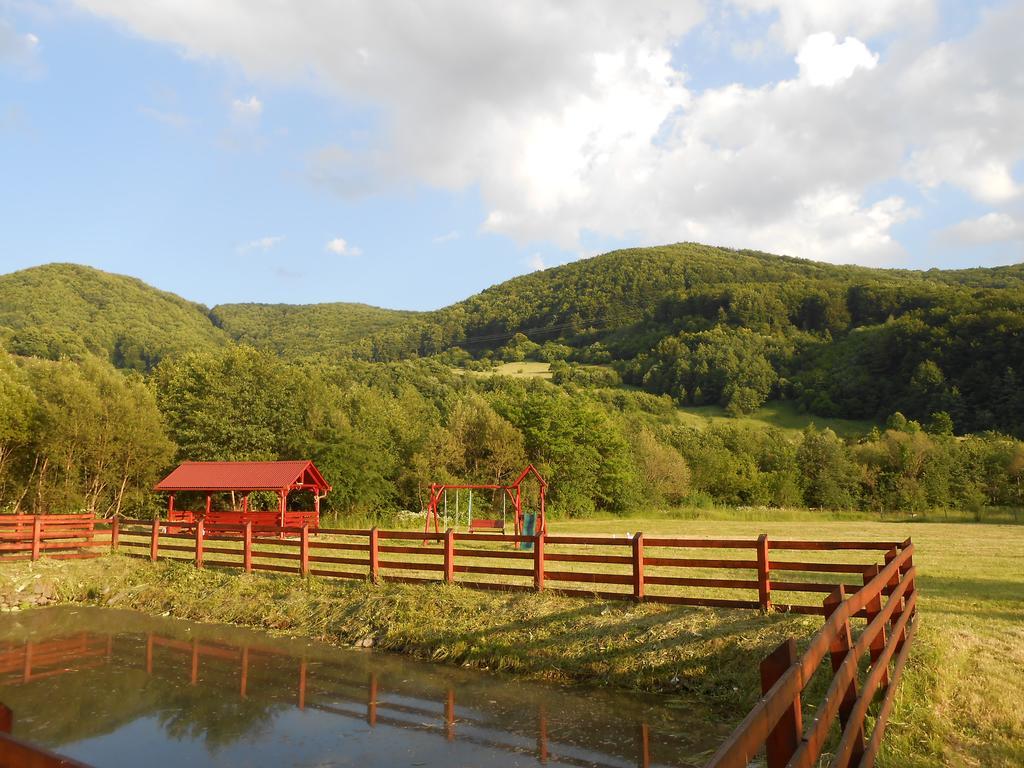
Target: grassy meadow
{"x": 958, "y": 703}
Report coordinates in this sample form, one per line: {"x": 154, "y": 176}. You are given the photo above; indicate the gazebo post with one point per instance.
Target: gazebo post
{"x": 316, "y": 506}
{"x": 170, "y": 506}
{"x": 209, "y": 504}
{"x": 245, "y": 504}
{"x": 282, "y": 496}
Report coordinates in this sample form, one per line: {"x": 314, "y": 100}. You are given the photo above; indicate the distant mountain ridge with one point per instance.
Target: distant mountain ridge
{"x": 703, "y": 324}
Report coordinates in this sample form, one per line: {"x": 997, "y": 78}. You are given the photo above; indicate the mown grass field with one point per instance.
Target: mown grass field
{"x": 960, "y": 700}
{"x": 778, "y": 414}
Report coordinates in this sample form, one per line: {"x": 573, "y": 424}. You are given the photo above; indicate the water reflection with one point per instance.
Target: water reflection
{"x": 114, "y": 687}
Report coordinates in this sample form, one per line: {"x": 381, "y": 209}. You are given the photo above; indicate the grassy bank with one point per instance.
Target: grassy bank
{"x": 959, "y": 702}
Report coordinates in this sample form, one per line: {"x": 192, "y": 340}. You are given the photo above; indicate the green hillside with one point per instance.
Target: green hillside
{"x": 67, "y": 310}
{"x": 710, "y": 327}
{"x": 305, "y": 329}
{"x": 736, "y": 329}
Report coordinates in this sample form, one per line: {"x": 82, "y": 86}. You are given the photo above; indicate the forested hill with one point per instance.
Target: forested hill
{"x": 704, "y": 325}
{"x": 301, "y": 330}
{"x": 67, "y": 310}
{"x": 736, "y": 328}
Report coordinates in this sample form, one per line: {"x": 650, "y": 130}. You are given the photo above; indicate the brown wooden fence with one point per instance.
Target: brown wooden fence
{"x": 888, "y": 603}
{"x": 759, "y": 573}
{"x": 762, "y": 573}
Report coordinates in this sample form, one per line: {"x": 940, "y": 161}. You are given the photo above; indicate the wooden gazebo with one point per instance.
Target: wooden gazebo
{"x": 242, "y": 478}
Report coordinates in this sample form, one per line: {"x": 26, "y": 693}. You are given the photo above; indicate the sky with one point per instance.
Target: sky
{"x": 410, "y": 154}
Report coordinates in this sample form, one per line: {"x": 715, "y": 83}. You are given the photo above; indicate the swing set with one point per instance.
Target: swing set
{"x": 525, "y": 523}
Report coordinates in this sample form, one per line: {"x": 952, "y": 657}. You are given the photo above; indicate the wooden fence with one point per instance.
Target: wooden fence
{"x": 888, "y": 603}
{"x": 762, "y": 573}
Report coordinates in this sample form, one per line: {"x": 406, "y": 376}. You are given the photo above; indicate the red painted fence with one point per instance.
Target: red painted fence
{"x": 730, "y": 573}
{"x": 888, "y": 602}
{"x": 757, "y": 573}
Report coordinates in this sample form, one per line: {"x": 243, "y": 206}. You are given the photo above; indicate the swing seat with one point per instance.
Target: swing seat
{"x": 483, "y": 525}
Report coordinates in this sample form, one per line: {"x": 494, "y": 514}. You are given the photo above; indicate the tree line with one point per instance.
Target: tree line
{"x": 80, "y": 435}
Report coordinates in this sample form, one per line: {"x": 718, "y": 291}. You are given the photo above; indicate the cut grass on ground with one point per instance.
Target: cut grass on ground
{"x": 778, "y": 414}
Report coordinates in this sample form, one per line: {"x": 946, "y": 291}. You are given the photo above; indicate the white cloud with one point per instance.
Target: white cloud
{"x": 993, "y": 227}
{"x": 567, "y": 127}
{"x": 261, "y": 244}
{"x": 340, "y": 247}
{"x": 17, "y": 48}
{"x": 536, "y": 262}
{"x": 826, "y": 62}
{"x": 447, "y": 237}
{"x": 247, "y": 108}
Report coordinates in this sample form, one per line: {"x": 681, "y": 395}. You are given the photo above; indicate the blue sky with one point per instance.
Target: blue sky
{"x": 366, "y": 155}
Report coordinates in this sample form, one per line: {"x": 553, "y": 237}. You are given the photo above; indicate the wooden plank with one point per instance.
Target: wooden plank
{"x": 687, "y": 562}
{"x": 494, "y": 571}
{"x": 810, "y": 586}
{"x": 600, "y": 541}
{"x": 390, "y": 549}
{"x": 492, "y": 537}
{"x": 349, "y": 546}
{"x": 589, "y": 578}
{"x": 661, "y": 541}
{"x": 790, "y": 565}
{"x": 405, "y": 565}
{"x": 465, "y": 552}
{"x": 702, "y": 602}
{"x": 413, "y": 535}
{"x": 278, "y": 555}
{"x": 784, "y": 737}
{"x": 830, "y": 546}
{"x": 586, "y": 558}
{"x": 885, "y": 708}
{"x": 685, "y": 581}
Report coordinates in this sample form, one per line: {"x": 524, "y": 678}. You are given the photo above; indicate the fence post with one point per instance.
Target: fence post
{"x": 304, "y": 550}
{"x": 908, "y": 544}
{"x": 764, "y": 584}
{"x": 154, "y": 539}
{"x": 374, "y": 562}
{"x": 638, "y": 566}
{"x": 872, "y": 609}
{"x": 839, "y": 650}
{"x": 891, "y": 555}
{"x": 37, "y": 530}
{"x": 538, "y": 561}
{"x": 247, "y": 547}
{"x": 6, "y": 719}
{"x": 785, "y": 737}
{"x": 199, "y": 543}
{"x": 449, "y": 556}
{"x": 115, "y": 533}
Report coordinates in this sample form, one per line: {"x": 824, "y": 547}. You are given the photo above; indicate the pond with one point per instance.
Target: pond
{"x": 119, "y": 688}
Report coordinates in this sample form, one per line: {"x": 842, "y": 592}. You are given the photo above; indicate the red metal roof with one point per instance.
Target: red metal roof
{"x": 244, "y": 476}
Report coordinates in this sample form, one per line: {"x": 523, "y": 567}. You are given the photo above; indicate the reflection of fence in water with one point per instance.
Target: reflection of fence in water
{"x": 25, "y": 662}
{"x": 316, "y": 688}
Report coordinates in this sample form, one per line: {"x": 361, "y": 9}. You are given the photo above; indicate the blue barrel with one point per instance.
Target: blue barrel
{"x": 529, "y": 529}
